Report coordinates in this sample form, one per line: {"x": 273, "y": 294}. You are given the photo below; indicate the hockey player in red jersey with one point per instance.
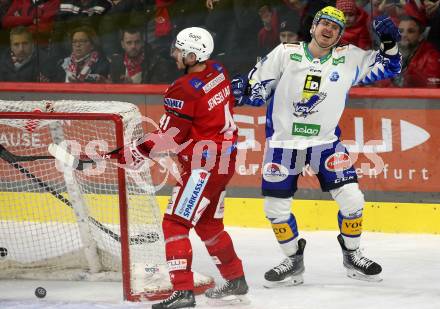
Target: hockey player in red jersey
{"x": 199, "y": 105}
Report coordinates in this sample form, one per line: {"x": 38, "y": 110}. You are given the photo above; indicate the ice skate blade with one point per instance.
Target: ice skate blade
{"x": 289, "y": 281}
{"x": 354, "y": 274}
{"x": 230, "y": 300}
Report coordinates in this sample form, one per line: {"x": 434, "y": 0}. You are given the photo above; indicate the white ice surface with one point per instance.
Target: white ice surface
{"x": 411, "y": 276}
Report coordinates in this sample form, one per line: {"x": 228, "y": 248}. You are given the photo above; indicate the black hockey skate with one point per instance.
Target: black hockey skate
{"x": 289, "y": 272}
{"x": 179, "y": 299}
{"x": 358, "y": 266}
{"x": 232, "y": 292}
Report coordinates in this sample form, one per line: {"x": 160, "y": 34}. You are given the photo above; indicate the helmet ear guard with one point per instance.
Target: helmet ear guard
{"x": 195, "y": 40}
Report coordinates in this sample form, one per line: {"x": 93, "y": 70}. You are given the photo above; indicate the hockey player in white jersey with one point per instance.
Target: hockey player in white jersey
{"x": 305, "y": 86}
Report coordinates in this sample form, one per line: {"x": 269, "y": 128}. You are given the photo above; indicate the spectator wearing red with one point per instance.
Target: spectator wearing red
{"x": 86, "y": 63}
{"x": 393, "y": 8}
{"x": 433, "y": 13}
{"x": 357, "y": 23}
{"x": 37, "y": 15}
{"x": 268, "y": 36}
{"x": 420, "y": 59}
{"x": 416, "y": 9}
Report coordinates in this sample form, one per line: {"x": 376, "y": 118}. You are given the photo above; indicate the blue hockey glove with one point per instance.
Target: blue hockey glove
{"x": 240, "y": 85}
{"x": 246, "y": 100}
{"x": 241, "y": 91}
{"x": 386, "y": 30}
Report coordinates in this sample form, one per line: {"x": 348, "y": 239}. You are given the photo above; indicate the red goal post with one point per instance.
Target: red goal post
{"x": 57, "y": 223}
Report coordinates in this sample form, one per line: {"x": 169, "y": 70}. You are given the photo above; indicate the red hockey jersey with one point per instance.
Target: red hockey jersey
{"x": 198, "y": 108}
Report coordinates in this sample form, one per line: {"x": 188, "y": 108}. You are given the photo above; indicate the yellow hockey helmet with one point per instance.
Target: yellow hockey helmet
{"x": 331, "y": 13}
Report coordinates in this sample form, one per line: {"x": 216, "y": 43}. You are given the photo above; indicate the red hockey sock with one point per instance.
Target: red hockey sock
{"x": 178, "y": 254}
{"x": 223, "y": 254}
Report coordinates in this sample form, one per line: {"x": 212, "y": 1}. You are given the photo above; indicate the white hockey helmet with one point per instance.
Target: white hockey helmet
{"x": 195, "y": 40}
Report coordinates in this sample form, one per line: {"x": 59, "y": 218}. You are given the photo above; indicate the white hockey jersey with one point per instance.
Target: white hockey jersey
{"x": 307, "y": 95}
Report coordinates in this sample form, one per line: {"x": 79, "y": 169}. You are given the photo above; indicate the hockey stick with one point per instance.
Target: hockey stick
{"x": 60, "y": 153}
{"x": 16, "y": 158}
{"x": 11, "y": 159}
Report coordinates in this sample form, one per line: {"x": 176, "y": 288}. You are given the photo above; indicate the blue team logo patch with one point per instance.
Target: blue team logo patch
{"x": 334, "y": 76}
{"x": 218, "y": 67}
{"x": 196, "y": 83}
{"x": 306, "y": 107}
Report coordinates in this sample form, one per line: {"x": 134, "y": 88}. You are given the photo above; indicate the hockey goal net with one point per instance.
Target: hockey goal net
{"x": 100, "y": 224}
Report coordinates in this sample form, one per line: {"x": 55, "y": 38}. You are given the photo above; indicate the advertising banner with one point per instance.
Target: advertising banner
{"x": 392, "y": 149}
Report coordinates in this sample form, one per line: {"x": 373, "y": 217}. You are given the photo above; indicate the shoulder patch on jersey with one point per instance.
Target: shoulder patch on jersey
{"x": 173, "y": 103}
{"x": 214, "y": 82}
{"x": 217, "y": 66}
{"x": 196, "y": 83}
{"x": 296, "y": 57}
{"x": 339, "y": 60}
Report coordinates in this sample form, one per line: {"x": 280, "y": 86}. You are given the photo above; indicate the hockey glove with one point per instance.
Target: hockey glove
{"x": 387, "y": 32}
{"x": 133, "y": 158}
{"x": 240, "y": 89}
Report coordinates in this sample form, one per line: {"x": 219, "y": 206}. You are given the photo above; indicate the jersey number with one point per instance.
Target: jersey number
{"x": 163, "y": 122}
{"x": 230, "y": 126}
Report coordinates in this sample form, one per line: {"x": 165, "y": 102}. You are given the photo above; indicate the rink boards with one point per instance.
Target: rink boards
{"x": 312, "y": 215}
{"x": 43, "y": 207}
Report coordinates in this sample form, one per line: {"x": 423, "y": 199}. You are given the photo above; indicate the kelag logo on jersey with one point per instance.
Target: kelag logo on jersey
{"x": 311, "y": 86}
{"x": 305, "y": 129}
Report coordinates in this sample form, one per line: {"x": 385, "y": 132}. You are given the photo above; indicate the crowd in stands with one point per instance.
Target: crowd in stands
{"x": 128, "y": 41}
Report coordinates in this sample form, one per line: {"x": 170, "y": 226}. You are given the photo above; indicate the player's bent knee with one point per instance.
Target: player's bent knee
{"x": 277, "y": 208}
{"x": 174, "y": 229}
{"x": 350, "y": 200}
{"x": 209, "y": 230}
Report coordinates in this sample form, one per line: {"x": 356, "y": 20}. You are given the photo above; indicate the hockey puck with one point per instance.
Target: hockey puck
{"x": 3, "y": 253}
{"x": 40, "y": 292}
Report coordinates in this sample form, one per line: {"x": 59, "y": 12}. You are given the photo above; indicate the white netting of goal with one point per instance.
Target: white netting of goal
{"x": 65, "y": 225}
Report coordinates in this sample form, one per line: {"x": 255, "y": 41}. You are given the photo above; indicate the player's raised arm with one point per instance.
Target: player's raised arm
{"x": 385, "y": 63}
{"x": 389, "y": 36}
